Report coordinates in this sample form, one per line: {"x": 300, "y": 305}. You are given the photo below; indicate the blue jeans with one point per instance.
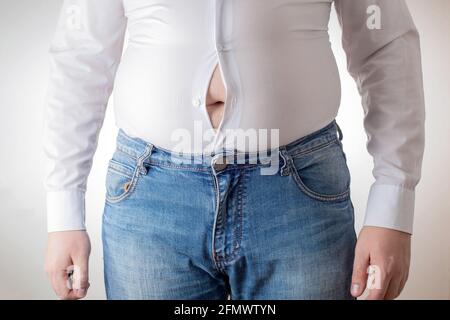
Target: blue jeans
{"x": 202, "y": 230}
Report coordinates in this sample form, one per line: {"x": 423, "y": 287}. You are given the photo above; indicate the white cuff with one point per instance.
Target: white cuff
{"x": 65, "y": 210}
{"x": 390, "y": 206}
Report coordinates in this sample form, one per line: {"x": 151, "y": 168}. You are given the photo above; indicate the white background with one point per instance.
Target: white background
{"x": 26, "y": 27}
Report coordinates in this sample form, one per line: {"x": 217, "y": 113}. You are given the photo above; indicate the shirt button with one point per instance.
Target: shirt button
{"x": 220, "y": 47}
{"x": 197, "y": 102}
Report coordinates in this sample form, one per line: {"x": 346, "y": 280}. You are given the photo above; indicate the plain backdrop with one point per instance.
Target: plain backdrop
{"x": 26, "y": 28}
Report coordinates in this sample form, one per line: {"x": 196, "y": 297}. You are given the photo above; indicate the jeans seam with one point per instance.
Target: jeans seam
{"x": 314, "y": 148}
{"x": 134, "y": 179}
{"x": 171, "y": 166}
{"x": 238, "y": 235}
{"x": 217, "y": 224}
{"x": 223, "y": 261}
{"x": 202, "y": 169}
{"x": 116, "y": 167}
{"x": 341, "y": 196}
{"x": 123, "y": 149}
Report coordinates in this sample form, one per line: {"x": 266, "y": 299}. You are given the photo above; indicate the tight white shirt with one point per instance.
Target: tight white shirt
{"x": 278, "y": 69}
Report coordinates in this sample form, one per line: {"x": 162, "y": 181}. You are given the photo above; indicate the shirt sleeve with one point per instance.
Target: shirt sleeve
{"x": 84, "y": 55}
{"x": 383, "y": 56}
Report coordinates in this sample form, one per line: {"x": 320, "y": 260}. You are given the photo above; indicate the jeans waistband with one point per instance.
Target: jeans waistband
{"x": 136, "y": 147}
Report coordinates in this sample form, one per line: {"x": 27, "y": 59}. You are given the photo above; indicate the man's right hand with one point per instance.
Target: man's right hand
{"x": 68, "y": 250}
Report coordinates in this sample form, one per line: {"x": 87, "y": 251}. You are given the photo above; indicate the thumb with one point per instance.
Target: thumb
{"x": 359, "y": 276}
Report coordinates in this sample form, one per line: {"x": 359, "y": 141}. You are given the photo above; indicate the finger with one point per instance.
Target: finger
{"x": 359, "y": 276}
{"x": 377, "y": 294}
{"x": 72, "y": 295}
{"x": 81, "y": 276}
{"x": 59, "y": 284}
{"x": 82, "y": 292}
{"x": 393, "y": 290}
{"x": 403, "y": 282}
{"x": 379, "y": 283}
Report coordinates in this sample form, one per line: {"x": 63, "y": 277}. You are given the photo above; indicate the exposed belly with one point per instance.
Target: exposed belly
{"x": 215, "y": 98}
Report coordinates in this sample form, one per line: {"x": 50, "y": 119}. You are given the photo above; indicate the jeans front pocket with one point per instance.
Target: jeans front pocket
{"x": 322, "y": 173}
{"x": 121, "y": 178}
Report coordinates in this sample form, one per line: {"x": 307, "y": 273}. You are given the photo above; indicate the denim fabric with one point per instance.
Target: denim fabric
{"x": 174, "y": 229}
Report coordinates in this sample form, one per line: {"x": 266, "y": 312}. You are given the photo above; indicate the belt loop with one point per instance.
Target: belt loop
{"x": 284, "y": 170}
{"x": 339, "y": 131}
{"x": 144, "y": 157}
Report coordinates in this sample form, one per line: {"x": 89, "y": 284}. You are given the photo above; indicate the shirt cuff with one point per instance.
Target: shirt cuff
{"x": 390, "y": 206}
{"x": 65, "y": 210}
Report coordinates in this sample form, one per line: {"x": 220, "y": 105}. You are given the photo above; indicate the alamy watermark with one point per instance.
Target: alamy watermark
{"x": 374, "y": 20}
{"x": 374, "y": 277}
{"x": 73, "y": 17}
{"x": 237, "y": 146}
{"x": 73, "y": 277}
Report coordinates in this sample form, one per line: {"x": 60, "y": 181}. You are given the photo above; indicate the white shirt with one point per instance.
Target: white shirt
{"x": 279, "y": 72}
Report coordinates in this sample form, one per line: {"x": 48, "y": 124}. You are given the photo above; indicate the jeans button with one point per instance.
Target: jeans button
{"x": 220, "y": 166}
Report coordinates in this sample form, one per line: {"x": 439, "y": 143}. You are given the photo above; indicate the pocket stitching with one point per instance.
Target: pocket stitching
{"x": 135, "y": 177}
{"x": 121, "y": 168}
{"x": 313, "y": 194}
{"x": 313, "y": 148}
{"x": 132, "y": 184}
{"x": 316, "y": 195}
